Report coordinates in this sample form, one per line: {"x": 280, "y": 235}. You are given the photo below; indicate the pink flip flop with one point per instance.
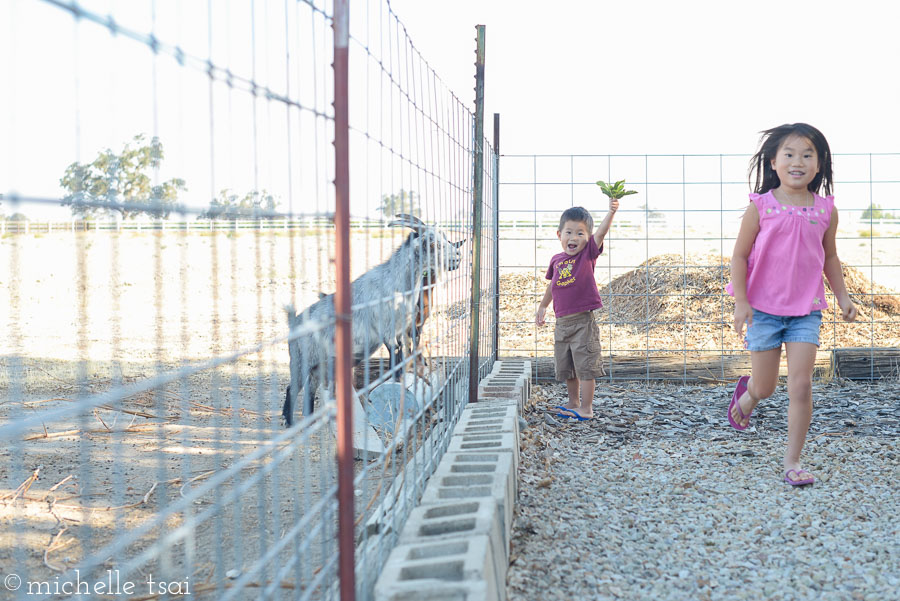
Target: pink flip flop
{"x": 738, "y": 392}
{"x": 794, "y": 481}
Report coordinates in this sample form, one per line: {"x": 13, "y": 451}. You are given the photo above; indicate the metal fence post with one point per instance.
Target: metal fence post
{"x": 478, "y": 194}
{"x": 343, "y": 349}
{"x": 496, "y": 197}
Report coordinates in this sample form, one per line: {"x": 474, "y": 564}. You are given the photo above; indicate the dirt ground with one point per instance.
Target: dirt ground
{"x": 89, "y": 313}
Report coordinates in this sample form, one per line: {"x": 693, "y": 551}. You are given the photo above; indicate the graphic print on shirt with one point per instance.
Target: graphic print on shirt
{"x": 565, "y": 273}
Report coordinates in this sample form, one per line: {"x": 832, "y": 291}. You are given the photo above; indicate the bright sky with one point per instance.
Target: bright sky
{"x": 567, "y": 77}
{"x": 659, "y": 76}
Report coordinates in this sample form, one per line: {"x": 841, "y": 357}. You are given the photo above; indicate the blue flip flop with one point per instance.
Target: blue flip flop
{"x": 572, "y": 415}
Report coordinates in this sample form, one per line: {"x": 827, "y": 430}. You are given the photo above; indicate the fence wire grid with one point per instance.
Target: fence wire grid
{"x": 145, "y": 357}
{"x": 667, "y": 260}
{"x": 169, "y": 188}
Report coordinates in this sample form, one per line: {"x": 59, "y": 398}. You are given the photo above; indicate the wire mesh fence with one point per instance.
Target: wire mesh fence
{"x": 148, "y": 359}
{"x": 667, "y": 260}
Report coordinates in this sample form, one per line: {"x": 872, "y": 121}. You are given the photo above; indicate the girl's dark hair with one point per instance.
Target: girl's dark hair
{"x": 770, "y": 142}
{"x": 579, "y": 214}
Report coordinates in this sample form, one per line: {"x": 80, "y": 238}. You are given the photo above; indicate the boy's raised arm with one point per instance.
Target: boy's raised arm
{"x": 603, "y": 228}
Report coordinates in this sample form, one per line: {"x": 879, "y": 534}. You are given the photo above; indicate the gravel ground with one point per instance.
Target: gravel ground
{"x": 658, "y": 498}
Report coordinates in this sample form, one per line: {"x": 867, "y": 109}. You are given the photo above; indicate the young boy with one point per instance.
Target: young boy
{"x": 573, "y": 290}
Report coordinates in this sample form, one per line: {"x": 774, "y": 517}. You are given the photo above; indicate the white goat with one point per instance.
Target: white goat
{"x": 384, "y": 301}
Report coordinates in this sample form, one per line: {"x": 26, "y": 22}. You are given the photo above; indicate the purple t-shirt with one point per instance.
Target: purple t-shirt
{"x": 572, "y": 283}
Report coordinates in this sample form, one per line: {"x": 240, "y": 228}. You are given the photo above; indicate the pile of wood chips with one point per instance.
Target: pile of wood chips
{"x": 673, "y": 302}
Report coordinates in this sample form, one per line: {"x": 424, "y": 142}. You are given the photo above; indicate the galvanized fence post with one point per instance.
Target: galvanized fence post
{"x": 478, "y": 198}
{"x": 496, "y": 266}
{"x": 343, "y": 344}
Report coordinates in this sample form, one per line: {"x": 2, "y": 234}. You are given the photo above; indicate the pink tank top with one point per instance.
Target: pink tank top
{"x": 784, "y": 269}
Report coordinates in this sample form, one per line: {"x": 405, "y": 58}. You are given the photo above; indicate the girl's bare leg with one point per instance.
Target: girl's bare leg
{"x": 801, "y": 357}
{"x": 763, "y": 379}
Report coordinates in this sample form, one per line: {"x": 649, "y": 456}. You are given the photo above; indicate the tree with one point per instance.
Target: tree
{"x": 120, "y": 183}
{"x": 402, "y": 202}
{"x": 874, "y": 212}
{"x": 651, "y": 214}
{"x": 257, "y": 204}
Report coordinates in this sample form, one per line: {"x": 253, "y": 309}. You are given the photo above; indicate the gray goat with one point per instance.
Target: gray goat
{"x": 385, "y": 301}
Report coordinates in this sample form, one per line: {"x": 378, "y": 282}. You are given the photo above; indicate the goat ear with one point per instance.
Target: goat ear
{"x": 459, "y": 243}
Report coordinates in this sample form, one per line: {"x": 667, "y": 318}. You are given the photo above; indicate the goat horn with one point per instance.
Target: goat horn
{"x": 411, "y": 218}
{"x": 410, "y": 221}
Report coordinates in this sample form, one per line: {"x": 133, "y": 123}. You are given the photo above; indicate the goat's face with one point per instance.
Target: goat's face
{"x": 440, "y": 254}
{"x": 437, "y": 252}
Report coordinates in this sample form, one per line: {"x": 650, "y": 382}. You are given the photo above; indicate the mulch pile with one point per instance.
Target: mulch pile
{"x": 673, "y": 302}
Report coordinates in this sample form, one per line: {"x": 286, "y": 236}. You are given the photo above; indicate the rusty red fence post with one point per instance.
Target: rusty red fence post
{"x": 343, "y": 365}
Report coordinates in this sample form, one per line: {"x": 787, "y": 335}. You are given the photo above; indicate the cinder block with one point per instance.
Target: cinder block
{"x": 491, "y": 405}
{"x": 504, "y": 378}
{"x": 458, "y": 520}
{"x": 451, "y": 520}
{"x": 492, "y": 401}
{"x": 511, "y": 375}
{"x": 499, "y": 389}
{"x": 436, "y": 571}
{"x": 460, "y": 480}
{"x": 485, "y": 423}
{"x": 472, "y": 590}
{"x": 520, "y": 381}
{"x": 489, "y": 389}
{"x": 508, "y": 367}
{"x": 485, "y": 463}
{"x": 499, "y": 442}
{"x": 512, "y": 392}
{"x": 487, "y": 426}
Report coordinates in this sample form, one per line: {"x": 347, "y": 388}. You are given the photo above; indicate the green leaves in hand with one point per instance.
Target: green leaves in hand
{"x": 616, "y": 190}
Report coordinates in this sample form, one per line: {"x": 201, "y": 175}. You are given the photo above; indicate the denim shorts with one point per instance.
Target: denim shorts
{"x": 768, "y": 331}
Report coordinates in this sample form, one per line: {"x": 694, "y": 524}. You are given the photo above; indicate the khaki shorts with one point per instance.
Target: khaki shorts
{"x": 576, "y": 347}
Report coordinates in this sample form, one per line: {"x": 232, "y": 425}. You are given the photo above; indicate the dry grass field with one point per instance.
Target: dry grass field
{"x": 85, "y": 314}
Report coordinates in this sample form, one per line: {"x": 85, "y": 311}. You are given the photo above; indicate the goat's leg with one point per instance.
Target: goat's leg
{"x": 304, "y": 387}
{"x": 287, "y": 410}
{"x": 309, "y": 397}
{"x": 293, "y": 389}
{"x": 396, "y": 362}
{"x": 290, "y": 401}
{"x": 420, "y": 365}
{"x": 392, "y": 351}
